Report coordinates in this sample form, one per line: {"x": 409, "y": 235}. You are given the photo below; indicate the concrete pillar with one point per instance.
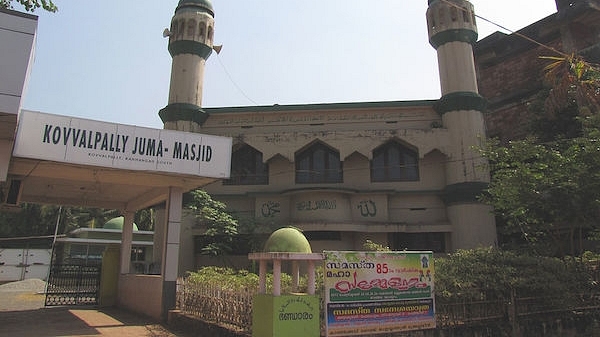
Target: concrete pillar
{"x": 109, "y": 276}
{"x": 171, "y": 248}
{"x": 126, "y": 238}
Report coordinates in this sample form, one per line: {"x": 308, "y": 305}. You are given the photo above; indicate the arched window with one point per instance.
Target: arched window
{"x": 393, "y": 161}
{"x": 191, "y": 29}
{"x": 453, "y": 14}
{"x": 210, "y": 34}
{"x": 442, "y": 16}
{"x": 181, "y": 29}
{"x": 432, "y": 19}
{"x": 466, "y": 16}
{"x": 318, "y": 164}
{"x": 173, "y": 29}
{"x": 247, "y": 167}
{"x": 201, "y": 31}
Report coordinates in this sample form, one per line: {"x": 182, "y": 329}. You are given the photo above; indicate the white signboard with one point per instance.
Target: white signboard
{"x": 88, "y": 142}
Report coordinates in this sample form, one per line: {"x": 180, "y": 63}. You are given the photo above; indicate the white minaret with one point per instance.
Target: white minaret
{"x": 190, "y": 44}
{"x": 452, "y": 32}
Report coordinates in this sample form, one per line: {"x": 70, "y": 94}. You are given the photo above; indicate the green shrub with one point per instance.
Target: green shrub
{"x": 228, "y": 278}
{"x": 481, "y": 274}
{"x": 493, "y": 274}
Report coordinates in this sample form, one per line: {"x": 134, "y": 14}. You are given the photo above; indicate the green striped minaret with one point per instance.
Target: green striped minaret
{"x": 452, "y": 32}
{"x": 190, "y": 44}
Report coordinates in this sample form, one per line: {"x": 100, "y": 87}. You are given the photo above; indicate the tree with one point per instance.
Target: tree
{"x": 31, "y": 220}
{"x": 30, "y": 5}
{"x": 546, "y": 189}
{"x": 40, "y": 220}
{"x": 220, "y": 227}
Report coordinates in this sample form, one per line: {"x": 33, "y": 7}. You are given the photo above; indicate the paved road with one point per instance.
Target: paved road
{"x": 22, "y": 314}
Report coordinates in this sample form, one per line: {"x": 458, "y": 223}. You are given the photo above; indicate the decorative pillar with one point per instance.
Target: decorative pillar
{"x": 285, "y": 315}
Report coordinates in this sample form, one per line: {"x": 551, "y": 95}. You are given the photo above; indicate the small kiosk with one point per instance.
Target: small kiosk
{"x": 286, "y": 315}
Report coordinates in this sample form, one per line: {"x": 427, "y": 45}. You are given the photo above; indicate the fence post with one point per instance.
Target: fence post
{"x": 512, "y": 314}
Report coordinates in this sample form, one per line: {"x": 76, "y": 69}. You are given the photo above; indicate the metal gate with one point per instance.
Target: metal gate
{"x": 70, "y": 284}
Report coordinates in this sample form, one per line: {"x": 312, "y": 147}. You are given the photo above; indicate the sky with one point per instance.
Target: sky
{"x": 108, "y": 61}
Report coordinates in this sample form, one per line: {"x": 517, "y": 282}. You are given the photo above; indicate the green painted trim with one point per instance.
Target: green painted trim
{"x": 453, "y": 35}
{"x": 322, "y": 106}
{"x": 197, "y": 5}
{"x": 468, "y": 192}
{"x": 461, "y": 100}
{"x": 190, "y": 47}
{"x": 183, "y": 112}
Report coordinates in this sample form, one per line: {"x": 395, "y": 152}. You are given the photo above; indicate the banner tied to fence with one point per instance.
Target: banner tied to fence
{"x": 370, "y": 293}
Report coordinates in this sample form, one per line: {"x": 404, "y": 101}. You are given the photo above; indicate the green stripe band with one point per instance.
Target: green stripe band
{"x": 183, "y": 112}
{"x": 453, "y": 35}
{"x": 189, "y": 47}
{"x": 462, "y": 100}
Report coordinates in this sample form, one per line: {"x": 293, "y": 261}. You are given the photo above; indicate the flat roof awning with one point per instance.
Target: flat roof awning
{"x": 48, "y": 182}
{"x": 65, "y": 160}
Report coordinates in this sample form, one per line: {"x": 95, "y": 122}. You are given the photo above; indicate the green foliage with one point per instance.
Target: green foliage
{"x": 144, "y": 219}
{"x": 82, "y": 217}
{"x": 40, "y": 220}
{"x": 256, "y": 234}
{"x": 30, "y": 220}
{"x": 240, "y": 280}
{"x": 572, "y": 82}
{"x": 31, "y": 5}
{"x": 492, "y": 274}
{"x": 484, "y": 274}
{"x": 548, "y": 194}
{"x": 218, "y": 224}
{"x": 546, "y": 189}
{"x": 375, "y": 247}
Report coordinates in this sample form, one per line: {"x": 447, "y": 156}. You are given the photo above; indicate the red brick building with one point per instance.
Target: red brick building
{"x": 510, "y": 72}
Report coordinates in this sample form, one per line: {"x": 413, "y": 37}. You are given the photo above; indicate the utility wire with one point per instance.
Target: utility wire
{"x": 233, "y": 81}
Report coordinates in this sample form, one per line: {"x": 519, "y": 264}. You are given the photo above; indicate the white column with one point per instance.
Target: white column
{"x": 295, "y": 276}
{"x": 262, "y": 276}
{"x": 311, "y": 277}
{"x": 126, "y": 238}
{"x": 276, "y": 277}
{"x": 170, "y": 262}
{"x": 173, "y": 230}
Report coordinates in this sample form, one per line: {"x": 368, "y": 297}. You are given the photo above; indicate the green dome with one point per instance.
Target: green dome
{"x": 206, "y": 5}
{"x": 117, "y": 223}
{"x": 287, "y": 240}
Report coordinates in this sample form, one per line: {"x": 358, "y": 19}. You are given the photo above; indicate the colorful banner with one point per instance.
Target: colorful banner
{"x": 378, "y": 292}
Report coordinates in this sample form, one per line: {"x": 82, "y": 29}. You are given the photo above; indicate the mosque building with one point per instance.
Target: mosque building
{"x": 405, "y": 174}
